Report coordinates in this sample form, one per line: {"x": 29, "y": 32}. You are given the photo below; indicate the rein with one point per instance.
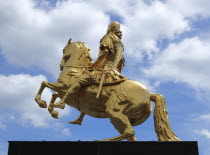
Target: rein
{"x": 74, "y": 66}
{"x": 79, "y": 67}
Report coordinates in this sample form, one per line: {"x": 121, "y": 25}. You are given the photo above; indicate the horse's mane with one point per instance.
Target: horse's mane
{"x": 82, "y": 44}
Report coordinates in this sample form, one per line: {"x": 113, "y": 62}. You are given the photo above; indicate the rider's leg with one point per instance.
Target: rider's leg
{"x": 83, "y": 80}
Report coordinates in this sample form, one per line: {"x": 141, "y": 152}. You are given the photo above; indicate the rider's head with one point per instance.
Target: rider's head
{"x": 114, "y": 27}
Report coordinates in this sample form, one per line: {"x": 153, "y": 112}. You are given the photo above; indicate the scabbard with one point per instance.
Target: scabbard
{"x": 102, "y": 81}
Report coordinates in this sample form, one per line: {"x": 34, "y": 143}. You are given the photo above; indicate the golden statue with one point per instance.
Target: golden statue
{"x": 100, "y": 90}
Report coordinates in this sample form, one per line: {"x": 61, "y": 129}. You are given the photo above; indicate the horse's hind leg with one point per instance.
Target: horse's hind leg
{"x": 118, "y": 119}
{"x": 53, "y": 113}
{"x": 122, "y": 124}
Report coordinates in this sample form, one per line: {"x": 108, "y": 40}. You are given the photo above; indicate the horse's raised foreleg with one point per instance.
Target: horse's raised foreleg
{"x": 53, "y": 113}
{"x": 53, "y": 86}
{"x": 40, "y": 102}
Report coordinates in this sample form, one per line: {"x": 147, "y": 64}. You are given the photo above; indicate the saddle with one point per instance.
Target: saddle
{"x": 111, "y": 76}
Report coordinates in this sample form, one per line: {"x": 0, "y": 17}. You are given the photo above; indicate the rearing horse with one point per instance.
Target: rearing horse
{"x": 126, "y": 104}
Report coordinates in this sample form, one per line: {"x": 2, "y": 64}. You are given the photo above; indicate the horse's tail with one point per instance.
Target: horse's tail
{"x": 162, "y": 125}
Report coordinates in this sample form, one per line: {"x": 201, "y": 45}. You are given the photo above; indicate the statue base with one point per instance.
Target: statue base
{"x": 102, "y": 148}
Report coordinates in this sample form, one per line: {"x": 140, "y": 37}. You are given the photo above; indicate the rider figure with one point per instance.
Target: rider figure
{"x": 109, "y": 64}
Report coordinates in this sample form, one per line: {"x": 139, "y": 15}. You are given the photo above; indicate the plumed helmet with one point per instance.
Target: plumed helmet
{"x": 113, "y": 26}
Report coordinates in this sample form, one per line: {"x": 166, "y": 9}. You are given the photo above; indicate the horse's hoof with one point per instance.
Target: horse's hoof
{"x": 43, "y": 104}
{"x": 55, "y": 114}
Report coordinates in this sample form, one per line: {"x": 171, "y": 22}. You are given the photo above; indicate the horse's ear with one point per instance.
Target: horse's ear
{"x": 69, "y": 42}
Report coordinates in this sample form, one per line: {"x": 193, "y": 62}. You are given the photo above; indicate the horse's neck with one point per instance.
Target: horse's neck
{"x": 78, "y": 55}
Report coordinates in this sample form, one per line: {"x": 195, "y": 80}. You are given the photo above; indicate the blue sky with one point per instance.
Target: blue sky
{"x": 167, "y": 46}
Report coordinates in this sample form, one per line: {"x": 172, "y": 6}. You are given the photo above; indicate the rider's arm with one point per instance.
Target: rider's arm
{"x": 106, "y": 45}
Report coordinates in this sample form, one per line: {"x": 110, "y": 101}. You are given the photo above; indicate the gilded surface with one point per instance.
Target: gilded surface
{"x": 100, "y": 90}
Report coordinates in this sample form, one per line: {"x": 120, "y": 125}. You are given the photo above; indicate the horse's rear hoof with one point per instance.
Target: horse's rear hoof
{"x": 43, "y": 104}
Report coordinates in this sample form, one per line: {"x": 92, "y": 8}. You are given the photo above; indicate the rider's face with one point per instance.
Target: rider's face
{"x": 119, "y": 34}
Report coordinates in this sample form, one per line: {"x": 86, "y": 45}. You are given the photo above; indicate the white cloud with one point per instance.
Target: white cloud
{"x": 66, "y": 132}
{"x": 4, "y": 118}
{"x": 2, "y": 125}
{"x": 150, "y": 23}
{"x": 205, "y": 117}
{"x": 17, "y": 97}
{"x": 185, "y": 62}
{"x": 190, "y": 8}
{"x": 204, "y": 132}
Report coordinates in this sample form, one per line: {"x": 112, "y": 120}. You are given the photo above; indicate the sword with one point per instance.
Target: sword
{"x": 102, "y": 81}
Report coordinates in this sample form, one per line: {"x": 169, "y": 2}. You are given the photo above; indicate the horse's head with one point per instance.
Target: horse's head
{"x": 76, "y": 54}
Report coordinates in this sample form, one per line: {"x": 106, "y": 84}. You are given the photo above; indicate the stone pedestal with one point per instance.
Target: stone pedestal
{"x": 101, "y": 148}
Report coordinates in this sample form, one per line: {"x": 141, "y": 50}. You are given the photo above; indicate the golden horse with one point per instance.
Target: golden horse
{"x": 126, "y": 104}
